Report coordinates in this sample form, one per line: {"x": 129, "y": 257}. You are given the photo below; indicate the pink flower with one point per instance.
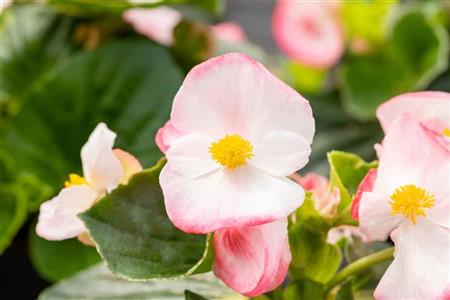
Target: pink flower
{"x": 155, "y": 23}
{"x": 410, "y": 202}
{"x": 308, "y": 32}
{"x": 366, "y": 185}
{"x": 229, "y": 31}
{"x": 344, "y": 232}
{"x": 235, "y": 133}
{"x": 431, "y": 109}
{"x": 326, "y": 199}
{"x": 103, "y": 168}
{"x": 252, "y": 260}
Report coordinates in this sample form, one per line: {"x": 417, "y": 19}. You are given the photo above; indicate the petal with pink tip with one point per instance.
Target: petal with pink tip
{"x": 130, "y": 164}
{"x": 155, "y": 23}
{"x": 233, "y": 94}
{"x": 366, "y": 185}
{"x": 101, "y": 168}
{"x": 244, "y": 196}
{"x": 308, "y": 32}
{"x": 229, "y": 32}
{"x": 166, "y": 136}
{"x": 252, "y": 260}
{"x": 281, "y": 153}
{"x": 421, "y": 267}
{"x": 431, "y": 108}
{"x": 58, "y": 217}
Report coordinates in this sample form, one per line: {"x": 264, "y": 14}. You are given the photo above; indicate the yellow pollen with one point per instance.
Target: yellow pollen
{"x": 75, "y": 179}
{"x": 232, "y": 151}
{"x": 446, "y": 132}
{"x": 411, "y": 201}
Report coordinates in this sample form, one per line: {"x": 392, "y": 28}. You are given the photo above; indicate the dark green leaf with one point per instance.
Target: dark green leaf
{"x": 345, "y": 291}
{"x": 128, "y": 84}
{"x": 58, "y": 260}
{"x": 193, "y": 296}
{"x": 304, "y": 290}
{"x": 98, "y": 283}
{"x": 135, "y": 236}
{"x": 13, "y": 212}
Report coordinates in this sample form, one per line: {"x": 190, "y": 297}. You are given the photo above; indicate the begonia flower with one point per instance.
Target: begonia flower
{"x": 410, "y": 202}
{"x": 155, "y": 23}
{"x": 308, "y": 32}
{"x": 252, "y": 260}
{"x": 104, "y": 168}
{"x": 431, "y": 109}
{"x": 229, "y": 32}
{"x": 235, "y": 133}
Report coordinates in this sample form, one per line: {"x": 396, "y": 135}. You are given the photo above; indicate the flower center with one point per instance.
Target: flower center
{"x": 75, "y": 179}
{"x": 411, "y": 201}
{"x": 446, "y": 132}
{"x": 232, "y": 151}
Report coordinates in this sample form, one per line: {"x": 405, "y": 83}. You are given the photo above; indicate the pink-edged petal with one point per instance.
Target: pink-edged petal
{"x": 313, "y": 182}
{"x": 227, "y": 198}
{"x": 375, "y": 218}
{"x": 130, "y": 164}
{"x": 308, "y": 32}
{"x": 431, "y": 108}
{"x": 281, "y": 153}
{"x": 229, "y": 32}
{"x": 366, "y": 185}
{"x": 411, "y": 156}
{"x": 58, "y": 217}
{"x": 252, "y": 260}
{"x": 189, "y": 156}
{"x": 101, "y": 168}
{"x": 155, "y": 23}
{"x": 421, "y": 267}
{"x": 166, "y": 136}
{"x": 233, "y": 94}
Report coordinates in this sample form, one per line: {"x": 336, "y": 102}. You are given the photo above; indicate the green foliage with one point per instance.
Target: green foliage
{"x": 98, "y": 283}
{"x": 312, "y": 256}
{"x": 415, "y": 52}
{"x": 13, "y": 211}
{"x": 346, "y": 172}
{"x": 304, "y": 289}
{"x": 120, "y": 83}
{"x": 345, "y": 291}
{"x": 136, "y": 238}
{"x": 56, "y": 260}
{"x": 193, "y": 296}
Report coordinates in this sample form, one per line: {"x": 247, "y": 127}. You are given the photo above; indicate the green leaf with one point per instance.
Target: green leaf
{"x": 128, "y": 84}
{"x": 193, "y": 296}
{"x": 345, "y": 291}
{"x": 98, "y": 283}
{"x": 56, "y": 260}
{"x": 13, "y": 212}
{"x": 407, "y": 62}
{"x": 137, "y": 239}
{"x": 312, "y": 256}
{"x": 346, "y": 172}
{"x": 304, "y": 289}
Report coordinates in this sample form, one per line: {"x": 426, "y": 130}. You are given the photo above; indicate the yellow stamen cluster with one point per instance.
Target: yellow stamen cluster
{"x": 446, "y": 132}
{"x": 411, "y": 201}
{"x": 232, "y": 151}
{"x": 75, "y": 179}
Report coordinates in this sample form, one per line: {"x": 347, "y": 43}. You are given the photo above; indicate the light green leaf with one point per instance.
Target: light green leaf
{"x": 312, "y": 256}
{"x": 407, "y": 62}
{"x": 129, "y": 85}
{"x": 137, "y": 239}
{"x": 99, "y": 283}
{"x": 346, "y": 172}
{"x": 304, "y": 289}
{"x": 13, "y": 212}
{"x": 56, "y": 260}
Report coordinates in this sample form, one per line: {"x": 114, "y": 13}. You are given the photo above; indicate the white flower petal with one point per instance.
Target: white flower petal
{"x": 101, "y": 168}
{"x": 281, "y": 153}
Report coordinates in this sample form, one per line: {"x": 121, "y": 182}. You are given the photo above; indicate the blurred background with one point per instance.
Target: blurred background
{"x": 66, "y": 65}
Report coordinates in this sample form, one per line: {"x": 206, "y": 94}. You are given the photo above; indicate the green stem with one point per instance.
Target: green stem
{"x": 361, "y": 265}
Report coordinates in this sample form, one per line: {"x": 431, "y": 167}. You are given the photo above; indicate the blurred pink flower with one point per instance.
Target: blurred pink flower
{"x": 229, "y": 32}
{"x": 308, "y": 32}
{"x": 155, "y": 23}
{"x": 410, "y": 202}
{"x": 344, "y": 232}
{"x": 103, "y": 168}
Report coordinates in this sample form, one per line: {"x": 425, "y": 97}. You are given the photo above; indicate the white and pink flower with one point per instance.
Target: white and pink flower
{"x": 235, "y": 133}
{"x": 104, "y": 168}
{"x": 308, "y": 32}
{"x": 230, "y": 32}
{"x": 409, "y": 200}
